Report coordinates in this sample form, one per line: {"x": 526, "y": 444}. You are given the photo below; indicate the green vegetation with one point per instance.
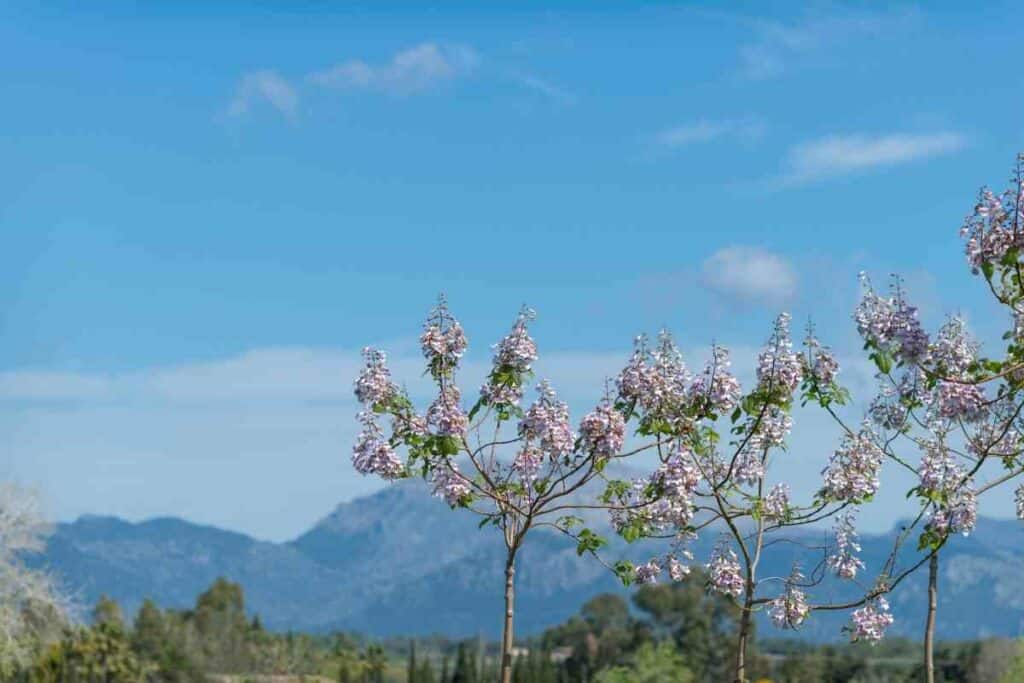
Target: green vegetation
{"x": 674, "y": 632}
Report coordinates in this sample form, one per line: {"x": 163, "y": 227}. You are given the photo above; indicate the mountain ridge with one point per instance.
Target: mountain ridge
{"x": 400, "y": 562}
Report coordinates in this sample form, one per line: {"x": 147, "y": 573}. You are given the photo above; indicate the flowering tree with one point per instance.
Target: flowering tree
{"x": 956, "y": 410}
{"x": 518, "y": 469}
{"x": 702, "y": 482}
{"x": 29, "y": 601}
{"x": 708, "y": 477}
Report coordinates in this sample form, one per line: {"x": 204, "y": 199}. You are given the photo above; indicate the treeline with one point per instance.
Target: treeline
{"x": 673, "y": 632}
{"x": 185, "y": 646}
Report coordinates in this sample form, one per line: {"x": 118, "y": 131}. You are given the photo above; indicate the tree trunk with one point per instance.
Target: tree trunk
{"x": 929, "y": 624}
{"x": 507, "y": 632}
{"x": 744, "y": 638}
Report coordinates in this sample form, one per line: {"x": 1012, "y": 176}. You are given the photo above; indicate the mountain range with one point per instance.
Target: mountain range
{"x": 400, "y": 562}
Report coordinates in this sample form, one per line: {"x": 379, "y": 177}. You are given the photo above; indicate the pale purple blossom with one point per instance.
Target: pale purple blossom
{"x": 871, "y": 621}
{"x": 775, "y": 505}
{"x": 891, "y": 324}
{"x": 778, "y": 366}
{"x": 445, "y": 415}
{"x": 990, "y": 230}
{"x": 716, "y": 390}
{"x": 443, "y": 341}
{"x": 790, "y": 609}
{"x": 372, "y": 454}
{"x": 954, "y": 350}
{"x": 821, "y": 362}
{"x": 844, "y": 561}
{"x": 656, "y": 379}
{"x": 957, "y": 515}
{"x": 997, "y": 439}
{"x": 547, "y": 423}
{"x": 1018, "y": 499}
{"x": 374, "y": 385}
{"x": 677, "y": 570}
{"x": 852, "y": 473}
{"x": 514, "y": 353}
{"x": 449, "y": 484}
{"x": 725, "y": 572}
{"x": 648, "y": 572}
{"x": 603, "y": 431}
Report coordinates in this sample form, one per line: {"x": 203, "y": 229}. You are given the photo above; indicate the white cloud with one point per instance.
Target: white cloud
{"x": 544, "y": 87}
{"x": 264, "y": 85}
{"x": 707, "y": 131}
{"x": 414, "y": 70}
{"x": 749, "y": 274}
{"x": 840, "y": 154}
{"x": 780, "y": 45}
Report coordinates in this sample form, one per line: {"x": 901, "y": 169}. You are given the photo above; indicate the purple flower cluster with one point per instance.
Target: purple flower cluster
{"x": 716, "y": 390}
{"x": 957, "y": 515}
{"x": 527, "y": 463}
{"x": 665, "y": 500}
{"x": 372, "y": 454}
{"x": 449, "y": 484}
{"x": 515, "y": 352}
{"x": 778, "y": 366}
{"x": 959, "y": 401}
{"x": 603, "y": 431}
{"x": 547, "y": 423}
{"x": 852, "y": 473}
{"x": 790, "y": 609}
{"x": 891, "y": 324}
{"x": 648, "y": 572}
{"x": 989, "y": 230}
{"x": 843, "y": 561}
{"x": 725, "y": 573}
{"x": 657, "y": 380}
{"x": 954, "y": 349}
{"x": 445, "y": 414}
{"x": 821, "y": 363}
{"x": 677, "y": 570}
{"x": 938, "y": 471}
{"x": 871, "y": 621}
{"x": 373, "y": 385}
{"x": 1018, "y": 499}
{"x": 775, "y": 505}
{"x": 997, "y": 439}
{"x": 443, "y": 342}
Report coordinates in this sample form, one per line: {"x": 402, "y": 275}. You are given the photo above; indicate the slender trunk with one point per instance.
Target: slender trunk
{"x": 929, "y": 624}
{"x": 507, "y": 632}
{"x": 744, "y": 638}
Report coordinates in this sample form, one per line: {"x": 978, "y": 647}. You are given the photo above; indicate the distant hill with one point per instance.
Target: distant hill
{"x": 399, "y": 561}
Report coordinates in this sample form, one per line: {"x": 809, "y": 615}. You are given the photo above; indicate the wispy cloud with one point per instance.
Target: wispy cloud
{"x": 543, "y": 87}
{"x": 414, "y": 70}
{"x": 841, "y": 154}
{"x": 748, "y": 274}
{"x": 703, "y": 131}
{"x": 780, "y": 45}
{"x": 265, "y": 85}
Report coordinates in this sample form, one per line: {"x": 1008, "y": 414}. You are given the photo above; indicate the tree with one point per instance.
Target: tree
{"x": 549, "y": 468}
{"x": 716, "y": 446}
{"x": 108, "y": 612}
{"x": 465, "y": 666}
{"x": 100, "y": 653}
{"x": 941, "y": 398}
{"x": 149, "y": 631}
{"x": 701, "y": 624}
{"x": 651, "y": 664}
{"x": 32, "y": 608}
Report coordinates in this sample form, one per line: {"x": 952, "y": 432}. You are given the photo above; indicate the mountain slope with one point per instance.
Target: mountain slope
{"x": 399, "y": 561}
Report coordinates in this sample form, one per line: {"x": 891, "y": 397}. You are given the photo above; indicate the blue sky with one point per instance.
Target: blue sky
{"x": 208, "y": 208}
